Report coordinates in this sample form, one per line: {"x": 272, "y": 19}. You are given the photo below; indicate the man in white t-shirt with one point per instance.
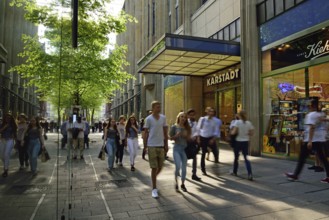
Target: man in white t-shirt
{"x": 156, "y": 141}
{"x": 78, "y": 141}
{"x": 315, "y": 131}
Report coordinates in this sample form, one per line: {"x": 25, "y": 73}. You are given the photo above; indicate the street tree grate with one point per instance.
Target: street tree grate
{"x": 112, "y": 184}
{"x": 29, "y": 189}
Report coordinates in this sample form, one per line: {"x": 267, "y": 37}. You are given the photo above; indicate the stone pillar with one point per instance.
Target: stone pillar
{"x": 251, "y": 68}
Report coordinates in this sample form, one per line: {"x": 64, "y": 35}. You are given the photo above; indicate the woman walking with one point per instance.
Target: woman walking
{"x": 180, "y": 133}
{"x": 111, "y": 136}
{"x": 36, "y": 141}
{"x": 122, "y": 143}
{"x": 132, "y": 140}
{"x": 8, "y": 131}
{"x": 22, "y": 149}
{"x": 243, "y": 129}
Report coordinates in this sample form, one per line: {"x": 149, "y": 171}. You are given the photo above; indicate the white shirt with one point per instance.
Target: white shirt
{"x": 209, "y": 127}
{"x": 193, "y": 125}
{"x": 155, "y": 128}
{"x": 320, "y": 130}
{"x": 122, "y": 131}
{"x": 243, "y": 130}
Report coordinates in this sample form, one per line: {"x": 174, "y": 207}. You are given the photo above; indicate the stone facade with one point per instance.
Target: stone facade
{"x": 14, "y": 97}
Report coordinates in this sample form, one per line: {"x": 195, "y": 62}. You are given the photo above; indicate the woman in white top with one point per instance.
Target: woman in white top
{"x": 244, "y": 129}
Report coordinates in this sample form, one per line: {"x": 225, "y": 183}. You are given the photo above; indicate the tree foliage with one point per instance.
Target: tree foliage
{"x": 82, "y": 76}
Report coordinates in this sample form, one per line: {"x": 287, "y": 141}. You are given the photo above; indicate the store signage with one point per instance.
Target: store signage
{"x": 223, "y": 77}
{"x": 317, "y": 49}
{"x": 303, "y": 49}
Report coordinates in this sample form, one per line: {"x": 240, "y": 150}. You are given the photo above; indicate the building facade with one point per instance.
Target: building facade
{"x": 265, "y": 56}
{"x": 14, "y": 97}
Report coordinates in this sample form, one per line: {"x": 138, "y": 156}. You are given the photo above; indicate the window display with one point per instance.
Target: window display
{"x": 285, "y": 99}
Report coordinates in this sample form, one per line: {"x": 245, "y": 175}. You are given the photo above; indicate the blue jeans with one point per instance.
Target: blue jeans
{"x": 180, "y": 161}
{"x": 33, "y": 151}
{"x": 243, "y": 147}
{"x": 111, "y": 148}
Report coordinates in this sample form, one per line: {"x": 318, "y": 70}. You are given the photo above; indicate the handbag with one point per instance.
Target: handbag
{"x": 44, "y": 155}
{"x": 191, "y": 149}
{"x": 101, "y": 154}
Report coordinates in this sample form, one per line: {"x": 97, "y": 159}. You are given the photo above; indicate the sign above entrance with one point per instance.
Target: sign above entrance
{"x": 223, "y": 77}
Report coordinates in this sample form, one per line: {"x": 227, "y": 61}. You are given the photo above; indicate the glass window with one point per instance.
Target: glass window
{"x": 261, "y": 13}
{"x": 232, "y": 31}
{"x": 289, "y": 4}
{"x": 226, "y": 33}
{"x": 278, "y": 7}
{"x": 269, "y": 9}
{"x": 238, "y": 27}
{"x": 177, "y": 16}
{"x": 221, "y": 35}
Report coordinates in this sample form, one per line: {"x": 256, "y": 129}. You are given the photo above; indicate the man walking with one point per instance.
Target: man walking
{"x": 194, "y": 133}
{"x": 208, "y": 130}
{"x": 156, "y": 141}
{"x": 86, "y": 133}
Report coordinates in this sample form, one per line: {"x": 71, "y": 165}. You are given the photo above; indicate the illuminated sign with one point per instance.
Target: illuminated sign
{"x": 223, "y": 77}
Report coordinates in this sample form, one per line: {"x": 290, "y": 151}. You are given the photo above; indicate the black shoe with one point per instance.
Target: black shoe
{"x": 132, "y": 168}
{"x": 143, "y": 154}
{"x": 183, "y": 188}
{"x": 27, "y": 163}
{"x": 204, "y": 172}
{"x": 5, "y": 173}
{"x": 250, "y": 177}
{"x": 176, "y": 188}
{"x": 81, "y": 157}
{"x": 196, "y": 178}
{"x": 75, "y": 157}
{"x": 318, "y": 169}
{"x": 312, "y": 167}
{"x": 116, "y": 161}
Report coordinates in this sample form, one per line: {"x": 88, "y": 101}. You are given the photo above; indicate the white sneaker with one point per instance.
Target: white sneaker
{"x": 155, "y": 193}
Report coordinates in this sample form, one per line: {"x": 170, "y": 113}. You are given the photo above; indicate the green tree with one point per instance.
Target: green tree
{"x": 82, "y": 76}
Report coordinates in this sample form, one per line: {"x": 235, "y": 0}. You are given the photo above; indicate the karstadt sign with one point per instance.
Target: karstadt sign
{"x": 224, "y": 77}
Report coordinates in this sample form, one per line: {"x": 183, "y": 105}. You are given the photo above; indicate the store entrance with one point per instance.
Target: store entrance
{"x": 228, "y": 103}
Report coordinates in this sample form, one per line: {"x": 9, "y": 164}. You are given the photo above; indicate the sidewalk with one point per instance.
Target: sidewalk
{"x": 96, "y": 194}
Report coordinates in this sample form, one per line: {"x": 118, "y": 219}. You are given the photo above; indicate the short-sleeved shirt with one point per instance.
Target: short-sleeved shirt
{"x": 244, "y": 127}
{"x": 180, "y": 141}
{"x": 155, "y": 127}
{"x": 320, "y": 127}
{"x": 132, "y": 133}
{"x": 122, "y": 131}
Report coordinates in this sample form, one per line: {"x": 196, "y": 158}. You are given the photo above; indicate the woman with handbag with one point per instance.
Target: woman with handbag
{"x": 243, "y": 129}
{"x": 180, "y": 133}
{"x": 36, "y": 141}
{"x": 111, "y": 136}
{"x": 8, "y": 131}
{"x": 22, "y": 149}
{"x": 132, "y": 140}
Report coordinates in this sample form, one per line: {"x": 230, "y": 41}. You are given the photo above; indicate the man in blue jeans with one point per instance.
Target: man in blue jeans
{"x": 208, "y": 132}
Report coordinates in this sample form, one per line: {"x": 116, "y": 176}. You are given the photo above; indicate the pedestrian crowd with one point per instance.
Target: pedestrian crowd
{"x": 188, "y": 134}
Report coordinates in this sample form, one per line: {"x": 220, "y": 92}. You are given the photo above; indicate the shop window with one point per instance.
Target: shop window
{"x": 238, "y": 27}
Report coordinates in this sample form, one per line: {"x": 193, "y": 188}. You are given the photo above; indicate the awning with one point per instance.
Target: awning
{"x": 189, "y": 56}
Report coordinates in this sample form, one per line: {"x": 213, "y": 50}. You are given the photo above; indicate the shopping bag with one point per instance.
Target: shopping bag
{"x": 44, "y": 155}
{"x": 101, "y": 154}
{"x": 191, "y": 149}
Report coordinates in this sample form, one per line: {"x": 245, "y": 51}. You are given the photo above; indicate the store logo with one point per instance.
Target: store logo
{"x": 223, "y": 77}
{"x": 317, "y": 50}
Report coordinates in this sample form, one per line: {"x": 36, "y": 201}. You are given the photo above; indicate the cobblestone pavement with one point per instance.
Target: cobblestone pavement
{"x": 97, "y": 194}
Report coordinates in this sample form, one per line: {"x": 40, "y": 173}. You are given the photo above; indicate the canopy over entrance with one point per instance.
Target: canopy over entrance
{"x": 189, "y": 56}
